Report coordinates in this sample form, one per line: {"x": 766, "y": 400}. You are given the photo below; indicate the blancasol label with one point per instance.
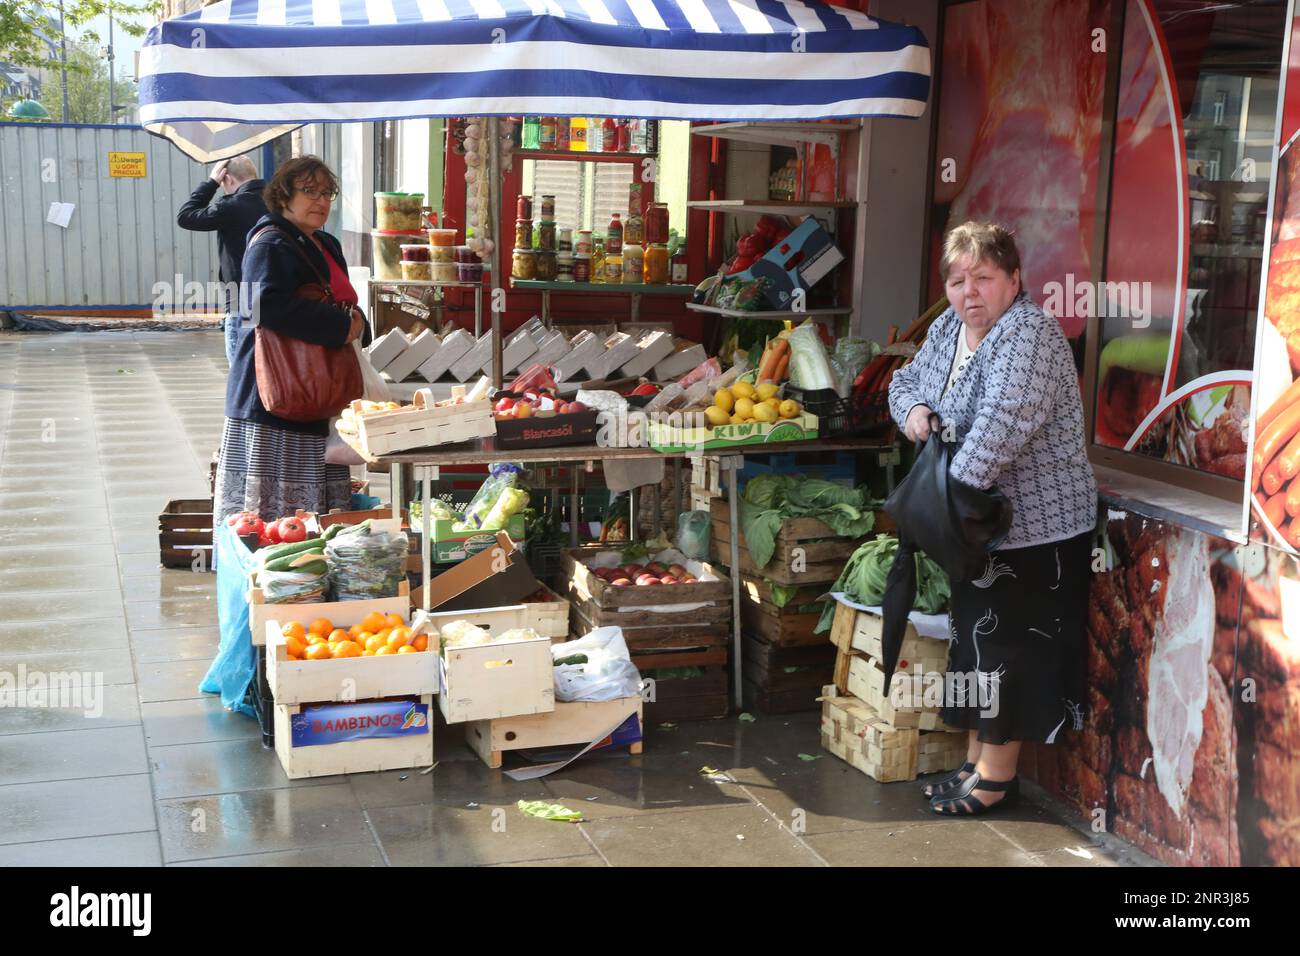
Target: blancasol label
{"x": 338, "y": 723}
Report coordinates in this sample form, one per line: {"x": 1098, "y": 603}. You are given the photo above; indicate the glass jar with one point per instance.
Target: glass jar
{"x": 634, "y": 228}
{"x": 564, "y": 241}
{"x": 680, "y": 265}
{"x": 656, "y": 264}
{"x": 656, "y": 223}
{"x": 546, "y": 236}
{"x": 545, "y": 265}
{"x": 564, "y": 268}
{"x": 548, "y": 208}
{"x": 583, "y": 247}
{"x": 614, "y": 269}
{"x": 581, "y": 268}
{"x": 523, "y": 265}
{"x": 633, "y": 264}
{"x": 524, "y": 208}
{"x": 523, "y": 233}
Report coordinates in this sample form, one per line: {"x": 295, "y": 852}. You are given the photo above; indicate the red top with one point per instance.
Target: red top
{"x": 339, "y": 283}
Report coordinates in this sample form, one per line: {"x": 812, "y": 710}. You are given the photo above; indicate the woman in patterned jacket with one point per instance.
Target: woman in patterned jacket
{"x": 999, "y": 375}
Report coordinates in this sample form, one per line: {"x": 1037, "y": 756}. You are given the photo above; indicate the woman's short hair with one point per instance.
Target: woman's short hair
{"x": 299, "y": 171}
{"x": 981, "y": 241}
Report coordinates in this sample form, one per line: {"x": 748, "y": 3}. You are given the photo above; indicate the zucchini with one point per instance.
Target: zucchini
{"x": 332, "y": 530}
{"x": 363, "y": 528}
{"x": 313, "y": 567}
{"x": 275, "y": 552}
{"x": 285, "y": 562}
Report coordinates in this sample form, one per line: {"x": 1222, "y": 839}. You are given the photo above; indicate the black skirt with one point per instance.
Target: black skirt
{"x": 1016, "y": 663}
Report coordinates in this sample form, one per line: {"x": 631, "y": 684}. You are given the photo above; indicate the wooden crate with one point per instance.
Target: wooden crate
{"x": 353, "y": 756}
{"x": 185, "y": 533}
{"x": 783, "y": 680}
{"x": 505, "y": 679}
{"x": 794, "y": 701}
{"x": 584, "y": 617}
{"x": 414, "y": 426}
{"x": 606, "y": 596}
{"x": 341, "y": 613}
{"x": 569, "y": 723}
{"x": 782, "y": 627}
{"x": 688, "y": 698}
{"x": 940, "y": 750}
{"x": 861, "y": 631}
{"x": 346, "y": 679}
{"x": 547, "y": 618}
{"x": 855, "y": 733}
{"x": 808, "y": 543}
{"x": 866, "y": 681}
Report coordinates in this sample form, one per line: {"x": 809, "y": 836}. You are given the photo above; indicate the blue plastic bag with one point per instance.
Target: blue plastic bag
{"x": 232, "y": 672}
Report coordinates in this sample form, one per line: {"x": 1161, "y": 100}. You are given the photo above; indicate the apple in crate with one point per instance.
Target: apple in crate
{"x": 632, "y": 571}
{"x": 677, "y": 571}
{"x": 647, "y": 579}
{"x": 620, "y": 582}
{"x": 668, "y": 579}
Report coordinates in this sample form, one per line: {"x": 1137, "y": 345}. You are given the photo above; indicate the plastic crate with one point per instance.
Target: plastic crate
{"x": 258, "y": 696}
{"x": 844, "y": 416}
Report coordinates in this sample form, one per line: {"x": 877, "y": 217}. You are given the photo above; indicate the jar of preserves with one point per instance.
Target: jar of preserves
{"x": 523, "y": 233}
{"x": 656, "y": 264}
{"x": 564, "y": 241}
{"x": 679, "y": 268}
{"x": 633, "y": 264}
{"x": 614, "y": 269}
{"x": 656, "y": 223}
{"x": 524, "y": 208}
{"x": 546, "y": 270}
{"x": 564, "y": 268}
{"x": 546, "y": 235}
{"x": 523, "y": 265}
{"x": 548, "y": 208}
{"x": 583, "y": 247}
{"x": 581, "y": 268}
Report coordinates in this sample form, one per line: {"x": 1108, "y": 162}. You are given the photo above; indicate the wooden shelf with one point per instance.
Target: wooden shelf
{"x": 772, "y": 207}
{"x": 779, "y": 134}
{"x": 778, "y": 314}
{"x": 607, "y": 288}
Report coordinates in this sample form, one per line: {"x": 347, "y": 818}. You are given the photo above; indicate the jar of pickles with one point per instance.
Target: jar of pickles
{"x": 523, "y": 264}
{"x": 546, "y": 235}
{"x": 656, "y": 264}
{"x": 633, "y": 264}
{"x": 564, "y": 268}
{"x": 545, "y": 265}
{"x": 548, "y": 207}
{"x": 581, "y": 268}
{"x": 523, "y": 233}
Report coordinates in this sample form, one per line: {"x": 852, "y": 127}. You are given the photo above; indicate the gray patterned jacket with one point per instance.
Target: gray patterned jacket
{"x": 1018, "y": 418}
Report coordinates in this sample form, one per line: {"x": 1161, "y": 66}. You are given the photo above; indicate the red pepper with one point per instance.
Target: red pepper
{"x": 645, "y": 388}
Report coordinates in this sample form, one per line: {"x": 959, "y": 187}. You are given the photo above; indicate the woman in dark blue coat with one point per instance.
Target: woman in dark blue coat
{"x": 270, "y": 465}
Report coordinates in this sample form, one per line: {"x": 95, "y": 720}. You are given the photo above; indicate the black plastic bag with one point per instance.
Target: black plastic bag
{"x": 954, "y": 524}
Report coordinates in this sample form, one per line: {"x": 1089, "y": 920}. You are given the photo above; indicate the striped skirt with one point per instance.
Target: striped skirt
{"x": 275, "y": 472}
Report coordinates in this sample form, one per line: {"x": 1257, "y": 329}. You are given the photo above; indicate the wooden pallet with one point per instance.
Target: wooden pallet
{"x": 856, "y": 734}
{"x": 185, "y": 534}
{"x": 569, "y": 723}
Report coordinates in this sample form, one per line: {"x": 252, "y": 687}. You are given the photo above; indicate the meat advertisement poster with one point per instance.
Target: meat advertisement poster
{"x": 1190, "y": 750}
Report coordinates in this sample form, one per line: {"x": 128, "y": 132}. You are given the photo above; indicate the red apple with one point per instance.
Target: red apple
{"x": 504, "y": 404}
{"x": 620, "y": 582}
{"x": 645, "y": 580}
{"x": 575, "y": 407}
{"x": 688, "y": 579}
{"x": 632, "y": 570}
{"x": 668, "y": 579}
{"x": 676, "y": 570}
{"x": 657, "y": 568}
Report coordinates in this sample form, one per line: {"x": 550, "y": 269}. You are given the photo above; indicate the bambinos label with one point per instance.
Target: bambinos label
{"x": 337, "y": 723}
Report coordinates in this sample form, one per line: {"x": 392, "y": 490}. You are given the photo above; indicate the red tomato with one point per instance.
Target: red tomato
{"x": 292, "y": 530}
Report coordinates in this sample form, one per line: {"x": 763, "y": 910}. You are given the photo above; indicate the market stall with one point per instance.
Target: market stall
{"x": 231, "y": 76}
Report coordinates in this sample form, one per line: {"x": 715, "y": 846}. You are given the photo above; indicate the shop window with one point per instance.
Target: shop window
{"x": 1196, "y": 108}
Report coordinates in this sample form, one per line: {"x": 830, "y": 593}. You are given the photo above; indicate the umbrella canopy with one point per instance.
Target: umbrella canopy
{"x": 221, "y": 80}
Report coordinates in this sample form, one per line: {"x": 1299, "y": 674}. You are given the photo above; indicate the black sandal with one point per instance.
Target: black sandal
{"x": 948, "y": 784}
{"x": 961, "y": 803}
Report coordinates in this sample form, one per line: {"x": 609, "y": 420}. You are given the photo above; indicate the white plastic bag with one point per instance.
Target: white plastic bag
{"x": 337, "y": 451}
{"x": 608, "y": 674}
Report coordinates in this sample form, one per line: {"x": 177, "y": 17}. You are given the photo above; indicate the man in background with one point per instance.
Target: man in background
{"x": 231, "y": 217}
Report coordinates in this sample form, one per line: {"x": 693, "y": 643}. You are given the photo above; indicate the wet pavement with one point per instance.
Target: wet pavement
{"x": 100, "y": 431}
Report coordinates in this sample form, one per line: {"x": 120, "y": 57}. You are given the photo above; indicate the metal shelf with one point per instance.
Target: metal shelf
{"x": 424, "y": 284}
{"x": 771, "y": 314}
{"x": 779, "y": 134}
{"x": 772, "y": 207}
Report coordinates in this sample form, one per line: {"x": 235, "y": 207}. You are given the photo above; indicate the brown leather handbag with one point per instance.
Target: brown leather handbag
{"x": 301, "y": 381}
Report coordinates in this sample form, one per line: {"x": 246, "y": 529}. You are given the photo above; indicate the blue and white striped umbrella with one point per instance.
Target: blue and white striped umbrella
{"x": 268, "y": 65}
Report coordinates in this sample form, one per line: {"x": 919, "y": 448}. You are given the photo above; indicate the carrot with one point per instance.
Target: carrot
{"x": 1288, "y": 398}
{"x": 1271, "y": 478}
{"x": 1279, "y": 433}
{"x": 782, "y": 367}
{"x": 1274, "y": 509}
{"x": 768, "y": 371}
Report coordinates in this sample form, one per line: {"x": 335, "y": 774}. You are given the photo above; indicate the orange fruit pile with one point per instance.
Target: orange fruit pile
{"x": 377, "y": 634}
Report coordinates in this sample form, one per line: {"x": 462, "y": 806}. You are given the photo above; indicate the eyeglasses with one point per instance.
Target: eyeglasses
{"x": 329, "y": 195}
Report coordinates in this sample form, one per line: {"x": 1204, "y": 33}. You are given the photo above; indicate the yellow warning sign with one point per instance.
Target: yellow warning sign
{"x": 126, "y": 165}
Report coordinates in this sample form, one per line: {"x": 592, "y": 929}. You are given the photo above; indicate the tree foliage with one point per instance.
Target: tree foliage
{"x": 29, "y": 31}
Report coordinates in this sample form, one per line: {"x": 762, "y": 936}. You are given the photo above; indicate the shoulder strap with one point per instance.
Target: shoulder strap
{"x": 267, "y": 230}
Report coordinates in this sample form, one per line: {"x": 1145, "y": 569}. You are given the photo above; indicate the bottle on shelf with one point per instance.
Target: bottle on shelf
{"x": 634, "y": 227}
{"x": 532, "y": 135}
{"x": 598, "y": 259}
{"x": 578, "y": 134}
{"x": 614, "y": 237}
{"x": 609, "y": 135}
{"x": 562, "y": 134}
{"x": 624, "y": 136}
{"x": 679, "y": 265}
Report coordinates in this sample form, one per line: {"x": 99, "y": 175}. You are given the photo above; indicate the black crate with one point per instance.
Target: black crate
{"x": 844, "y": 416}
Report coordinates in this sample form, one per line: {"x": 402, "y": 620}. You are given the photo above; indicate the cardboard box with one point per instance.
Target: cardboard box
{"x": 454, "y": 346}
{"x": 688, "y": 355}
{"x": 547, "y": 430}
{"x": 799, "y": 261}
{"x": 468, "y": 365}
{"x": 699, "y": 438}
{"x": 620, "y": 348}
{"x": 583, "y": 348}
{"x": 386, "y": 348}
{"x": 422, "y": 348}
{"x": 519, "y": 348}
{"x": 451, "y": 546}
{"x": 507, "y": 679}
{"x": 390, "y": 735}
{"x": 551, "y": 347}
{"x": 494, "y": 577}
{"x": 653, "y": 347}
